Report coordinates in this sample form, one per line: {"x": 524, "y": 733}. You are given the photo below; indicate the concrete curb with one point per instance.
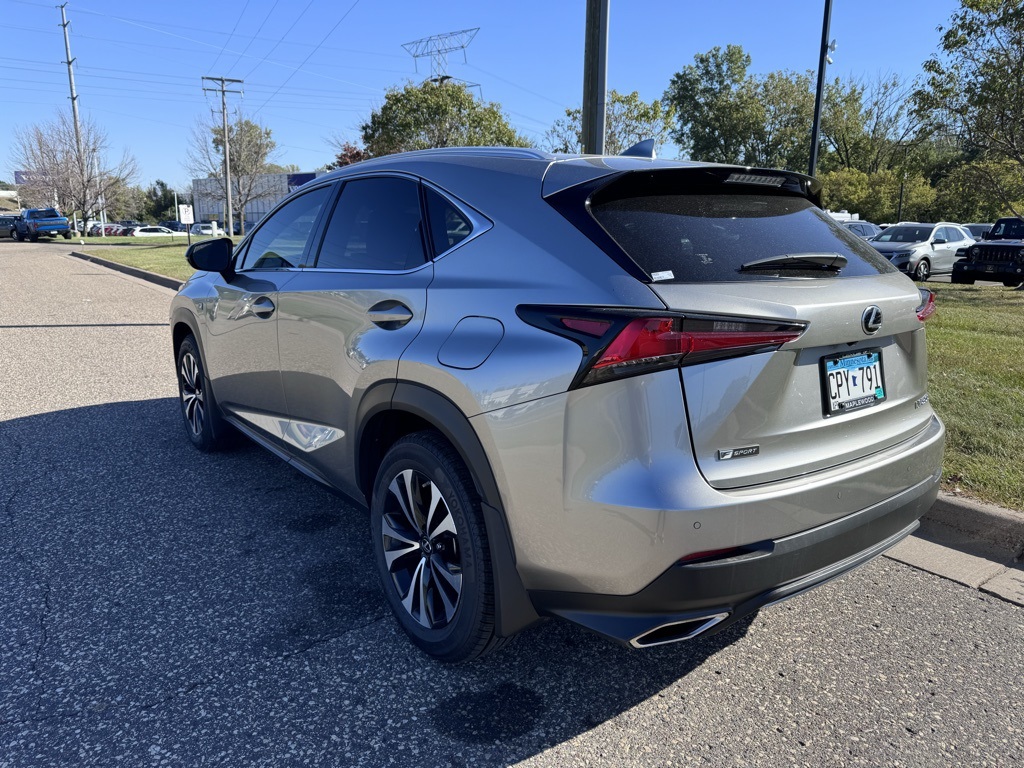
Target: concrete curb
{"x": 990, "y": 527}
{"x": 166, "y": 282}
{"x": 986, "y": 525}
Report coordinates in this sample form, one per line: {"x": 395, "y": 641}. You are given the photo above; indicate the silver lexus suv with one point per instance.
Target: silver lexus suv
{"x": 650, "y": 397}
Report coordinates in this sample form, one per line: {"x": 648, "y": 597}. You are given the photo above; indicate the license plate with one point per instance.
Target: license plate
{"x": 852, "y": 381}
{"x": 990, "y": 267}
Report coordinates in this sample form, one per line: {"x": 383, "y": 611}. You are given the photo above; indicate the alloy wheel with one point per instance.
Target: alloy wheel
{"x": 192, "y": 399}
{"x": 421, "y": 549}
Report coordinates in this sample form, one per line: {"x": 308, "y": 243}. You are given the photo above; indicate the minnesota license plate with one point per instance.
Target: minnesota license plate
{"x": 852, "y": 381}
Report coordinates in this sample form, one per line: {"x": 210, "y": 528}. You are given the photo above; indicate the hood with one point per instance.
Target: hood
{"x": 888, "y": 248}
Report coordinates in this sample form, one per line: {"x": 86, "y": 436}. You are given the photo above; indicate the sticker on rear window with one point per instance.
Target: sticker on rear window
{"x": 658, "y": 276}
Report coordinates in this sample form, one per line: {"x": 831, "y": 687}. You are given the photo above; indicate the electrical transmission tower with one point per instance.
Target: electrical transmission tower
{"x": 437, "y": 48}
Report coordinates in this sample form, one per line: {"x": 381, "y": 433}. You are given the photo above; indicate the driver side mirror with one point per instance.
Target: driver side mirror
{"x": 938, "y": 241}
{"x": 212, "y": 255}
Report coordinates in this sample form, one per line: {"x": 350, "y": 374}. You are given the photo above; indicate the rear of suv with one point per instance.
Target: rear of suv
{"x": 648, "y": 397}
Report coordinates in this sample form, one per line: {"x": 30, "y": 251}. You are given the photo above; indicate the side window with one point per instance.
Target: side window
{"x": 448, "y": 226}
{"x": 377, "y": 224}
{"x": 281, "y": 240}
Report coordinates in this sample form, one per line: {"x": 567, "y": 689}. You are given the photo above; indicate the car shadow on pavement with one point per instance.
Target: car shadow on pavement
{"x": 143, "y": 580}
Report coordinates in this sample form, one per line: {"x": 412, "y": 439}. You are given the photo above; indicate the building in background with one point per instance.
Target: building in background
{"x": 268, "y": 190}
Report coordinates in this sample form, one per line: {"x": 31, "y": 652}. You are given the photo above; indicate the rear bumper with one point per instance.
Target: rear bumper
{"x": 702, "y": 598}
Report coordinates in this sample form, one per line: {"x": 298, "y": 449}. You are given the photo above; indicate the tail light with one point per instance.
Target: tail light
{"x": 621, "y": 343}
{"x": 927, "y": 306}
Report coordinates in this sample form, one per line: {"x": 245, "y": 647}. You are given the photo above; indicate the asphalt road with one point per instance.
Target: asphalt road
{"x": 161, "y": 607}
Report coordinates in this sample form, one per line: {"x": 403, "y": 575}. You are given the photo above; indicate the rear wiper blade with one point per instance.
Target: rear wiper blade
{"x": 830, "y": 262}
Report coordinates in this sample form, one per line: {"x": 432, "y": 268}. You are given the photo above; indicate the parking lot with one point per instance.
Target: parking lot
{"x": 166, "y": 608}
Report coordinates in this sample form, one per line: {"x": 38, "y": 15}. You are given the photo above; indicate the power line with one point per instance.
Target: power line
{"x": 230, "y": 220}
{"x": 329, "y": 33}
{"x": 276, "y": 44}
{"x": 223, "y": 47}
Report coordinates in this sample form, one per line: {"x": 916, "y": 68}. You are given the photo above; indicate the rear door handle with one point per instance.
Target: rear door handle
{"x": 389, "y": 315}
{"x": 263, "y": 307}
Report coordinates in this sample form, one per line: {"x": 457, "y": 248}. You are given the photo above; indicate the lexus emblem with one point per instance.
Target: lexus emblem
{"x": 871, "y": 320}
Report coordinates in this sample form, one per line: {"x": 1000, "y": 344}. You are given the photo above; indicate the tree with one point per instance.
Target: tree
{"x": 251, "y": 147}
{"x": 347, "y": 153}
{"x": 628, "y": 120}
{"x": 725, "y": 115}
{"x": 160, "y": 202}
{"x": 58, "y": 172}
{"x": 275, "y": 168}
{"x": 975, "y": 90}
{"x": 430, "y": 115}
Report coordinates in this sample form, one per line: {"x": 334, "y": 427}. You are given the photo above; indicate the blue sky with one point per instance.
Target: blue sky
{"x": 314, "y": 69}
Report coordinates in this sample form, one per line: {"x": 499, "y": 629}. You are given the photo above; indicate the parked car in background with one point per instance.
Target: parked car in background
{"x": 922, "y": 250}
{"x": 207, "y": 228}
{"x": 595, "y": 389}
{"x": 41, "y": 222}
{"x": 864, "y": 229}
{"x": 151, "y": 231}
{"x": 8, "y": 225}
{"x": 174, "y": 226}
{"x": 977, "y": 231}
{"x": 999, "y": 257}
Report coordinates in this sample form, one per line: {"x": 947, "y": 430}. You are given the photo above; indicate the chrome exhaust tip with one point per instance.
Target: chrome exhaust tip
{"x": 677, "y": 631}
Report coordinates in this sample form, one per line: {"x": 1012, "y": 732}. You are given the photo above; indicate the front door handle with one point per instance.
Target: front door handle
{"x": 389, "y": 315}
{"x": 263, "y": 307}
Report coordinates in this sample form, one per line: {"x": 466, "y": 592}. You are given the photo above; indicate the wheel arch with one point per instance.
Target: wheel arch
{"x": 389, "y": 413}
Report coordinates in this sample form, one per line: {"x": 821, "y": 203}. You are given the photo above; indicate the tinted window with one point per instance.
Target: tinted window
{"x": 708, "y": 237}
{"x": 448, "y": 225}
{"x": 1008, "y": 229}
{"x": 281, "y": 240}
{"x": 375, "y": 225}
{"x": 46, "y": 213}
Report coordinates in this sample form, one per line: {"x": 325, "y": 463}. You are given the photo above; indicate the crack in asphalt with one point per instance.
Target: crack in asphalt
{"x": 329, "y": 638}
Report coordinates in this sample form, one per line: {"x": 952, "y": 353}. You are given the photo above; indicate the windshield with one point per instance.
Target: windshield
{"x": 905, "y": 234}
{"x": 1007, "y": 229}
{"x": 44, "y": 213}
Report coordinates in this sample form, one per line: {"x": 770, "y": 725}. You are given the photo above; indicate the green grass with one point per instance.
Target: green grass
{"x": 975, "y": 372}
{"x": 163, "y": 255}
{"x": 976, "y": 383}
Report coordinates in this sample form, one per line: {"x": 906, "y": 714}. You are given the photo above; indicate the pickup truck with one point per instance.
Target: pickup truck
{"x": 36, "y": 222}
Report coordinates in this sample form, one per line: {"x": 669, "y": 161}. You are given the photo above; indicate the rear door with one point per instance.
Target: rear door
{"x": 851, "y": 385}
{"x": 346, "y": 320}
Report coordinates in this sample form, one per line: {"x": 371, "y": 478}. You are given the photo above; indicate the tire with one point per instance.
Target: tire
{"x": 19, "y": 236}
{"x": 203, "y": 423}
{"x": 923, "y": 271}
{"x": 439, "y": 585}
{"x": 67, "y": 235}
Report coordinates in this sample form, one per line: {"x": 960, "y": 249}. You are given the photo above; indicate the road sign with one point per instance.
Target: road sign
{"x": 185, "y": 214}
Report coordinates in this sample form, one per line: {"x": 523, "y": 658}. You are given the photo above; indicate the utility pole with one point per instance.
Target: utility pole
{"x": 822, "y": 61}
{"x": 595, "y": 76}
{"x": 74, "y": 103}
{"x": 230, "y": 223}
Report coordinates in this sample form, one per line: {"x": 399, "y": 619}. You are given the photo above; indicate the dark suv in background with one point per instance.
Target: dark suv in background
{"x": 999, "y": 256}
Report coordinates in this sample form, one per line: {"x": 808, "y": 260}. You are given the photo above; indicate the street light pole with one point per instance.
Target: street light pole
{"x": 822, "y": 61}
{"x": 595, "y": 76}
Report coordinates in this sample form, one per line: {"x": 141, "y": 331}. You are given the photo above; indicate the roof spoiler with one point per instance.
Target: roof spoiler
{"x": 643, "y": 148}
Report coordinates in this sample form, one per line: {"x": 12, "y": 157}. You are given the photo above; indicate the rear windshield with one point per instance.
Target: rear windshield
{"x": 708, "y": 235}
{"x": 45, "y": 213}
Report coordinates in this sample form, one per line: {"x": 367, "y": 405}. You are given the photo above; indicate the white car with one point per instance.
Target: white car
{"x": 151, "y": 232}
{"x": 206, "y": 228}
